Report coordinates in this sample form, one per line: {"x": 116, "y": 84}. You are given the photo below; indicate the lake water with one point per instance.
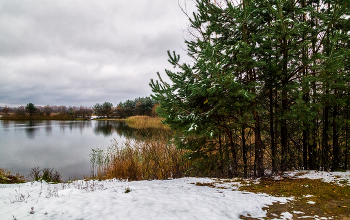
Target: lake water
{"x": 62, "y": 145}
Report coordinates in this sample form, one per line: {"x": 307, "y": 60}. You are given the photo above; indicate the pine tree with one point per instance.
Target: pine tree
{"x": 261, "y": 72}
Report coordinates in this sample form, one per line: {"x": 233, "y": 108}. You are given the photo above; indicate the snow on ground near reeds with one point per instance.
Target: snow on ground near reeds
{"x": 157, "y": 199}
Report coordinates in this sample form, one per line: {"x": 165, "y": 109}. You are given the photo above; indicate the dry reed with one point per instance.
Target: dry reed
{"x": 139, "y": 160}
{"x": 150, "y": 157}
{"x": 142, "y": 122}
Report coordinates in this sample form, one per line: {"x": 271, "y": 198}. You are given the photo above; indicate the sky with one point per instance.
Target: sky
{"x": 84, "y": 52}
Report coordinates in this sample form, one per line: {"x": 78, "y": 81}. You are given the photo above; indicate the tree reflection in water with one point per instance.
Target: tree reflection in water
{"x": 48, "y": 127}
{"x": 31, "y": 129}
{"x": 107, "y": 128}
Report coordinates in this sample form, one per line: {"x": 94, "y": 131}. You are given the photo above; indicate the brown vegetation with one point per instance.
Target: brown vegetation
{"x": 143, "y": 122}
{"x": 147, "y": 158}
{"x": 139, "y": 160}
{"x": 6, "y": 177}
{"x": 38, "y": 117}
{"x": 330, "y": 199}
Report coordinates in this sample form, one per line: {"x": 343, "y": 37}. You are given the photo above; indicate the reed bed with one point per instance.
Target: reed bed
{"x": 142, "y": 122}
{"x": 139, "y": 160}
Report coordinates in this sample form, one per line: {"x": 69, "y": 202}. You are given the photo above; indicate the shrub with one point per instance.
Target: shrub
{"x": 7, "y": 178}
{"x": 46, "y": 174}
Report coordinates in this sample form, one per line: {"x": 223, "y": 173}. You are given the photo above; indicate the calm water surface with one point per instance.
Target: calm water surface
{"x": 62, "y": 145}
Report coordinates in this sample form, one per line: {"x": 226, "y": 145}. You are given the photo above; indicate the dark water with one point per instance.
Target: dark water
{"x": 62, "y": 145}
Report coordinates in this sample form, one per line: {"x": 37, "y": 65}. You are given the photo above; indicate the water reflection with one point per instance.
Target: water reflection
{"x": 108, "y": 128}
{"x": 73, "y": 125}
{"x": 31, "y": 129}
{"x": 105, "y": 128}
{"x": 5, "y": 125}
{"x": 62, "y": 145}
{"x": 48, "y": 127}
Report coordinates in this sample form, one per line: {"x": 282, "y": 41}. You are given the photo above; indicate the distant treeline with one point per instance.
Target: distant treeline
{"x": 138, "y": 106}
{"x": 30, "y": 111}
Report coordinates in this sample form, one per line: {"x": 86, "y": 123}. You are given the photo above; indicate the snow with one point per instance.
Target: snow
{"x": 335, "y": 177}
{"x": 308, "y": 196}
{"x": 311, "y": 202}
{"x": 286, "y": 215}
{"x": 157, "y": 199}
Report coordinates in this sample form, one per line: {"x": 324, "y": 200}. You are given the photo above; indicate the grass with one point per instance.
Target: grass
{"x": 331, "y": 199}
{"x": 6, "y": 177}
{"x": 205, "y": 184}
{"x": 143, "y": 122}
{"x": 139, "y": 160}
{"x": 127, "y": 190}
{"x": 150, "y": 157}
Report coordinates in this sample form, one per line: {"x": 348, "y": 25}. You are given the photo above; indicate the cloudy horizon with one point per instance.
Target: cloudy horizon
{"x": 85, "y": 52}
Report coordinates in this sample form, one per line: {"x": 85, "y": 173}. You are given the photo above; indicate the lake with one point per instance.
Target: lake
{"x": 62, "y": 145}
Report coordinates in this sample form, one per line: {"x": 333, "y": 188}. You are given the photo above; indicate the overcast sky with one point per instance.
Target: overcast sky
{"x": 84, "y": 52}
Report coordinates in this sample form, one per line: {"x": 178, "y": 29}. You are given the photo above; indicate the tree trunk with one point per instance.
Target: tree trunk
{"x": 336, "y": 150}
{"x": 306, "y": 134}
{"x": 346, "y": 146}
{"x": 284, "y": 134}
{"x": 245, "y": 160}
{"x": 325, "y": 139}
{"x": 221, "y": 166}
{"x": 259, "y": 169}
{"x": 272, "y": 135}
{"x": 284, "y": 129}
{"x": 233, "y": 152}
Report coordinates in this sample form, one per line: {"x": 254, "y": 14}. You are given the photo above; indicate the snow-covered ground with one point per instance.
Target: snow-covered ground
{"x": 157, "y": 199}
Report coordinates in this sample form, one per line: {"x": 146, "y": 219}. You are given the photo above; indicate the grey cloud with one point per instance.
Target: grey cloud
{"x": 84, "y": 51}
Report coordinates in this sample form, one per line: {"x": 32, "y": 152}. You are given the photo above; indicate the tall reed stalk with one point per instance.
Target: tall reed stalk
{"x": 139, "y": 160}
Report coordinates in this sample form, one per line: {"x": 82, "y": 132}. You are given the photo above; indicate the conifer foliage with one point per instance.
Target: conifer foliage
{"x": 267, "y": 89}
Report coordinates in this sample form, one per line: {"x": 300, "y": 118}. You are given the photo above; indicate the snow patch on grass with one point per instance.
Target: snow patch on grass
{"x": 311, "y": 202}
{"x": 341, "y": 178}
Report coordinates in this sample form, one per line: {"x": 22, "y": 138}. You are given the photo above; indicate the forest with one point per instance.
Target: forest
{"x": 266, "y": 90}
{"x": 138, "y": 106}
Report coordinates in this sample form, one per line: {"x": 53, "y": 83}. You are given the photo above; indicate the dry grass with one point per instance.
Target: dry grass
{"x": 143, "y": 122}
{"x": 150, "y": 157}
{"x": 331, "y": 199}
{"x": 139, "y": 160}
{"x": 205, "y": 184}
{"x": 7, "y": 178}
